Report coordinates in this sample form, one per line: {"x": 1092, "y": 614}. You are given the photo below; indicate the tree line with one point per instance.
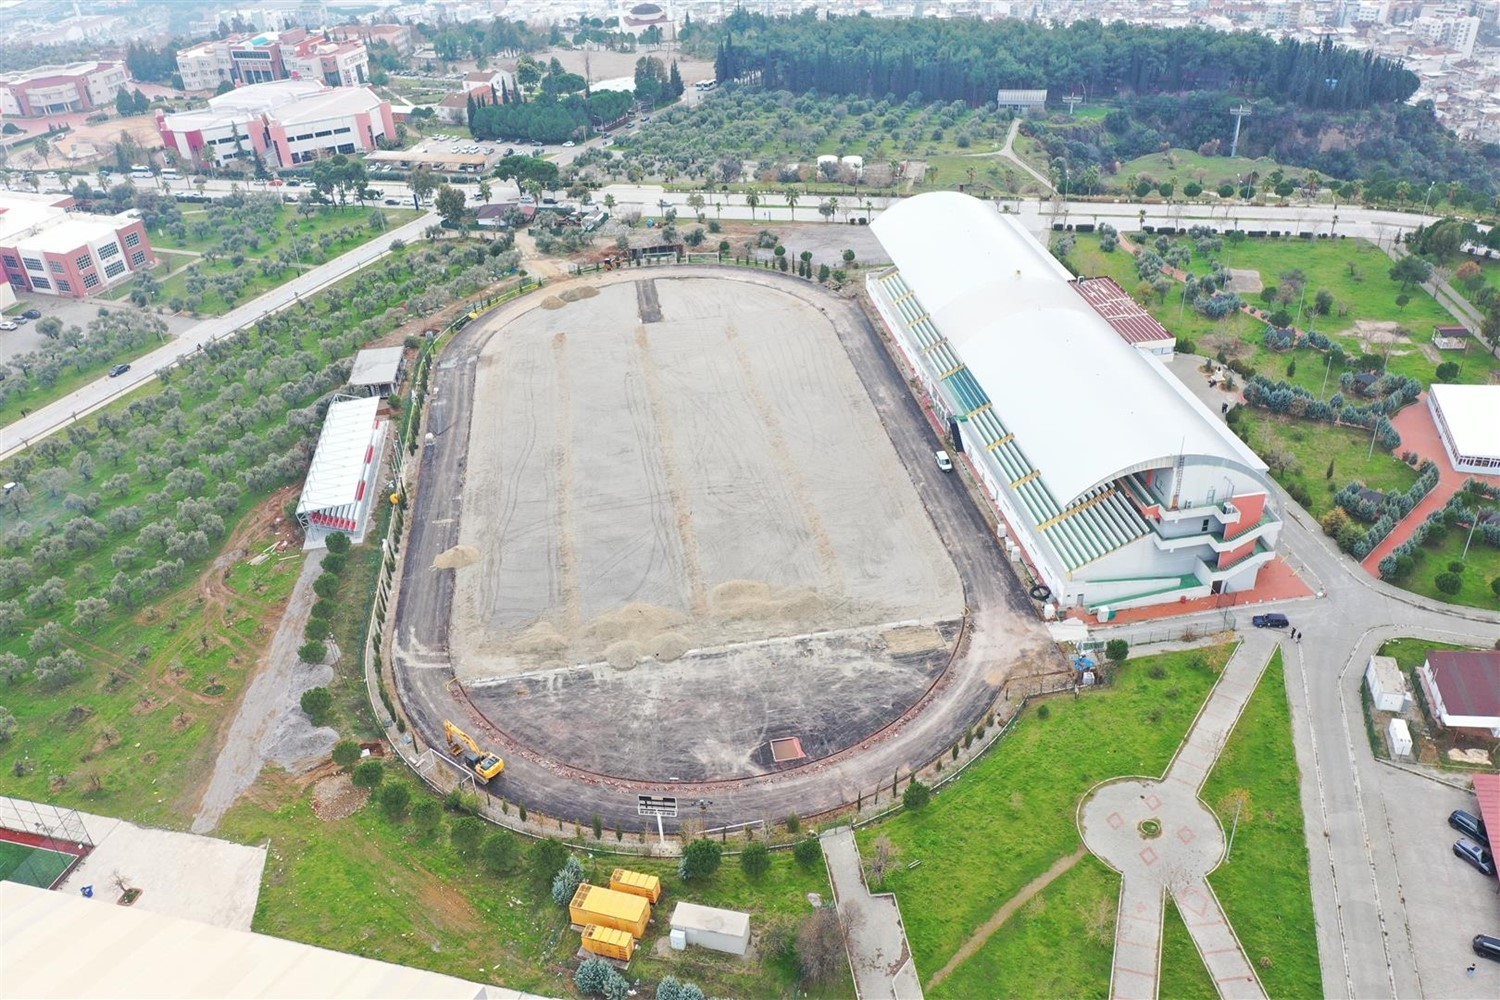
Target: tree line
{"x": 969, "y": 60}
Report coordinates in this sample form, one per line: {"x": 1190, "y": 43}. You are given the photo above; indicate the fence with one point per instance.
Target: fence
{"x": 46, "y": 821}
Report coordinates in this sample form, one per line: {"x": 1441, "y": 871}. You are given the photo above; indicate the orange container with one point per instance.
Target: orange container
{"x": 609, "y": 942}
{"x": 636, "y": 883}
{"x": 596, "y": 905}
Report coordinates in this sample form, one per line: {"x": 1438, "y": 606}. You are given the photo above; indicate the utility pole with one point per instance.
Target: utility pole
{"x": 1240, "y": 113}
{"x": 1072, "y": 101}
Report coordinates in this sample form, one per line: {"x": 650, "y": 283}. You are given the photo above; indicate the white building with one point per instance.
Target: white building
{"x": 1468, "y": 421}
{"x": 1449, "y": 31}
{"x": 1463, "y": 688}
{"x": 1387, "y": 685}
{"x": 1398, "y": 737}
{"x": 274, "y": 55}
{"x": 57, "y": 90}
{"x": 286, "y": 123}
{"x": 1118, "y": 485}
{"x": 710, "y": 927}
{"x": 48, "y": 250}
{"x": 205, "y": 66}
{"x": 341, "y": 483}
{"x": 377, "y": 370}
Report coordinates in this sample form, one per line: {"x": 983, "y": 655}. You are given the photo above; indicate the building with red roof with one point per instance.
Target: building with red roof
{"x": 1463, "y": 689}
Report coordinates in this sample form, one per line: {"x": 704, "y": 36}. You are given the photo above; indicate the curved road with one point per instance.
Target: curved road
{"x": 1005, "y": 635}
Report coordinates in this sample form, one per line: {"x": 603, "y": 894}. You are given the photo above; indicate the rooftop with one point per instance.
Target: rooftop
{"x": 376, "y": 366}
{"x": 1469, "y": 681}
{"x": 1122, "y": 312}
{"x": 1472, "y": 413}
{"x": 1086, "y": 406}
{"x": 710, "y": 918}
{"x": 338, "y": 464}
{"x": 289, "y": 101}
{"x": 59, "y": 69}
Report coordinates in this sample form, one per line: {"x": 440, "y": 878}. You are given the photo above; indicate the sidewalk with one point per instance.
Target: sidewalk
{"x": 876, "y": 942}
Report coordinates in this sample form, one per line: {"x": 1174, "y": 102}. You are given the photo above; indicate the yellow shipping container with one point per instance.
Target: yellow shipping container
{"x": 609, "y": 942}
{"x": 636, "y": 883}
{"x": 594, "y": 904}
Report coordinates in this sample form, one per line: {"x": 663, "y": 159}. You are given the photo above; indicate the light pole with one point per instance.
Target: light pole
{"x": 1326, "y": 369}
{"x": 1430, "y": 188}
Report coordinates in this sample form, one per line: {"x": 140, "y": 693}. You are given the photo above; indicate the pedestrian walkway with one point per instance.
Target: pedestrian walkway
{"x": 1162, "y": 839}
{"x": 876, "y": 937}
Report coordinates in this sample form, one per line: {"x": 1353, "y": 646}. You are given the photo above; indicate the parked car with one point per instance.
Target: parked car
{"x": 118, "y": 370}
{"x": 1270, "y": 621}
{"x": 8, "y": 325}
{"x": 569, "y": 144}
{"x": 294, "y": 183}
{"x": 393, "y": 201}
{"x": 1469, "y": 825}
{"x": 943, "y": 461}
{"x": 1475, "y": 854}
{"x": 23, "y": 319}
{"x": 32, "y": 314}
{"x": 1487, "y": 946}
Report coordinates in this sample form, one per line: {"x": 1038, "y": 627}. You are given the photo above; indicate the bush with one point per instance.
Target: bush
{"x": 1456, "y": 566}
{"x": 1116, "y": 650}
{"x": 1447, "y": 371}
{"x": 1043, "y": 712}
{"x": 596, "y": 976}
{"x": 809, "y": 851}
{"x": 547, "y": 856}
{"x": 1495, "y": 586}
{"x": 323, "y": 609}
{"x": 334, "y": 564}
{"x": 316, "y": 702}
{"x": 700, "y": 859}
{"x": 337, "y": 543}
{"x": 466, "y": 833}
{"x": 394, "y": 800}
{"x": 426, "y": 816}
{"x": 326, "y": 585}
{"x": 916, "y": 796}
{"x": 1449, "y": 583}
{"x": 501, "y": 851}
{"x": 346, "y": 754}
{"x": 312, "y": 652}
{"x": 793, "y": 824}
{"x": 755, "y": 859}
{"x": 317, "y": 630}
{"x": 368, "y": 774}
{"x": 567, "y": 880}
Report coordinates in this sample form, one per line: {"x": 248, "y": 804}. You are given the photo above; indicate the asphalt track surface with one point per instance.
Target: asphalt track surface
{"x": 1005, "y": 637}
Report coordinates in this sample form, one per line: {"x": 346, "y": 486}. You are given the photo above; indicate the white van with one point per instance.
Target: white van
{"x": 141, "y": 174}
{"x": 943, "y": 461}
{"x": 169, "y": 174}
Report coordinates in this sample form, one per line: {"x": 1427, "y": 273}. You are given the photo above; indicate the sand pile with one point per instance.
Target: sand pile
{"x": 456, "y": 558}
{"x": 553, "y": 302}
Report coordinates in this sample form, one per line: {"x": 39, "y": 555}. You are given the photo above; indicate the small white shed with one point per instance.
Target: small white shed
{"x": 1399, "y": 737}
{"x": 1387, "y": 684}
{"x": 709, "y": 927}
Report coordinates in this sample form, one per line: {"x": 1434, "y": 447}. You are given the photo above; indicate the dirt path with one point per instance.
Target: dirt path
{"x": 989, "y": 927}
{"x": 270, "y": 702}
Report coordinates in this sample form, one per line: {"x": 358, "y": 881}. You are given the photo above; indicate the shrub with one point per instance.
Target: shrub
{"x": 316, "y": 702}
{"x": 312, "y": 652}
{"x": 547, "y": 856}
{"x": 700, "y": 859}
{"x": 1495, "y": 586}
{"x": 755, "y": 859}
{"x": 1043, "y": 712}
{"x": 793, "y": 824}
{"x": 466, "y": 833}
{"x": 567, "y": 880}
{"x": 323, "y": 608}
{"x": 1449, "y": 583}
{"x": 368, "y": 774}
{"x": 501, "y": 851}
{"x": 1456, "y": 566}
{"x": 1447, "y": 371}
{"x": 346, "y": 754}
{"x": 337, "y": 543}
{"x": 334, "y": 564}
{"x": 326, "y": 585}
{"x": 809, "y": 851}
{"x": 426, "y": 816}
{"x": 916, "y": 796}
{"x": 317, "y": 629}
{"x": 394, "y": 800}
{"x": 1116, "y": 650}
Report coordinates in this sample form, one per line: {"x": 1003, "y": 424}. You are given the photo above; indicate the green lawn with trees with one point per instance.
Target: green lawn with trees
{"x": 1011, "y": 815}
{"x": 1264, "y": 885}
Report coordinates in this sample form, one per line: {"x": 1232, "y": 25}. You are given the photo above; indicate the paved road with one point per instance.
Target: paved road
{"x": 878, "y": 951}
{"x": 40, "y": 423}
{"x": 1005, "y": 633}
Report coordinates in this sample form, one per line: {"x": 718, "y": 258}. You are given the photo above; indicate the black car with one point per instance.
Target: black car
{"x": 118, "y": 370}
{"x": 1469, "y": 825}
{"x": 392, "y": 201}
{"x": 1486, "y": 946}
{"x": 32, "y": 314}
{"x": 1270, "y": 621}
{"x": 294, "y": 183}
{"x": 1475, "y": 854}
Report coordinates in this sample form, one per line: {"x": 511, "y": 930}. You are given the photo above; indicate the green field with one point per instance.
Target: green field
{"x": 1480, "y": 568}
{"x": 1183, "y": 975}
{"x": 1264, "y": 885}
{"x": 1183, "y": 165}
{"x": 1012, "y": 813}
{"x": 31, "y": 865}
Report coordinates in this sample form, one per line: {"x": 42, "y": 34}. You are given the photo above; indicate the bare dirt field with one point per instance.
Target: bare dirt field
{"x": 680, "y": 464}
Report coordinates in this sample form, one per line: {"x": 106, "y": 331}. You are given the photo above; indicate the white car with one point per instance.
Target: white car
{"x": 943, "y": 461}
{"x": 8, "y": 325}
{"x": 569, "y": 144}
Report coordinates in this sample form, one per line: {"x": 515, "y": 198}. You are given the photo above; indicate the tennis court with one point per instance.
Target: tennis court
{"x": 31, "y": 865}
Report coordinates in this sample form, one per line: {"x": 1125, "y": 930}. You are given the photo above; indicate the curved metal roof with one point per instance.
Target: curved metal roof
{"x": 1086, "y": 406}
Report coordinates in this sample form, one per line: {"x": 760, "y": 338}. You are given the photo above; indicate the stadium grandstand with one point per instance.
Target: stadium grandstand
{"x": 340, "y": 487}
{"x": 1121, "y": 488}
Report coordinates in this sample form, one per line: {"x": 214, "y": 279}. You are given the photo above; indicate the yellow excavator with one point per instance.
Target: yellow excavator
{"x": 463, "y": 747}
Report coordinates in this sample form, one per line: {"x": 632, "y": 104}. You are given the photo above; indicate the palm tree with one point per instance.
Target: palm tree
{"x": 833, "y": 203}
{"x": 752, "y": 198}
{"x": 791, "y": 202}
{"x": 44, "y": 150}
{"x": 484, "y": 190}
{"x": 609, "y": 203}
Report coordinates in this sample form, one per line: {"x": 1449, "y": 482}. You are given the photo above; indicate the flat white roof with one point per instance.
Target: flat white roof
{"x": 1472, "y": 413}
{"x": 72, "y": 233}
{"x": 126, "y": 952}
{"x": 692, "y": 916}
{"x": 288, "y": 101}
{"x": 1085, "y": 406}
{"x": 338, "y": 464}
{"x": 376, "y": 365}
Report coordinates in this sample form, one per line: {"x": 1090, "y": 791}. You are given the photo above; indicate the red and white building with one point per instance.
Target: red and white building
{"x": 58, "y": 90}
{"x": 274, "y": 55}
{"x": 286, "y": 123}
{"x": 343, "y": 480}
{"x": 400, "y": 37}
{"x": 1463, "y": 689}
{"x": 47, "y": 249}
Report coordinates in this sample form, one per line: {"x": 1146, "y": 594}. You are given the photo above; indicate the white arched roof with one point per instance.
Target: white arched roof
{"x": 1084, "y": 405}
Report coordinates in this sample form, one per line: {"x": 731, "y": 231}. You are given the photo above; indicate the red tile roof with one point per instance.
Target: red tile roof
{"x": 1120, "y": 311}
{"x": 1469, "y": 681}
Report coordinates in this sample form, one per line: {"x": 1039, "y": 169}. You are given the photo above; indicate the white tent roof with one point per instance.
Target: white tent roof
{"x": 136, "y": 953}
{"x": 1085, "y": 406}
{"x": 376, "y": 366}
{"x": 1472, "y": 413}
{"x": 338, "y": 466}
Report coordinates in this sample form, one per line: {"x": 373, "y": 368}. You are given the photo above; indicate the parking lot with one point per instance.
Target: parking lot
{"x": 1447, "y": 900}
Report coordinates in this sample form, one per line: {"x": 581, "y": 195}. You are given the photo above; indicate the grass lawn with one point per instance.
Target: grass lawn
{"x": 1410, "y": 653}
{"x": 1311, "y": 445}
{"x": 366, "y": 885}
{"x": 69, "y": 379}
{"x": 1183, "y": 165}
{"x": 1012, "y": 813}
{"x": 1264, "y": 885}
{"x": 1480, "y": 568}
{"x": 213, "y": 303}
{"x": 1183, "y": 974}
{"x": 1060, "y": 944}
{"x": 327, "y": 220}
